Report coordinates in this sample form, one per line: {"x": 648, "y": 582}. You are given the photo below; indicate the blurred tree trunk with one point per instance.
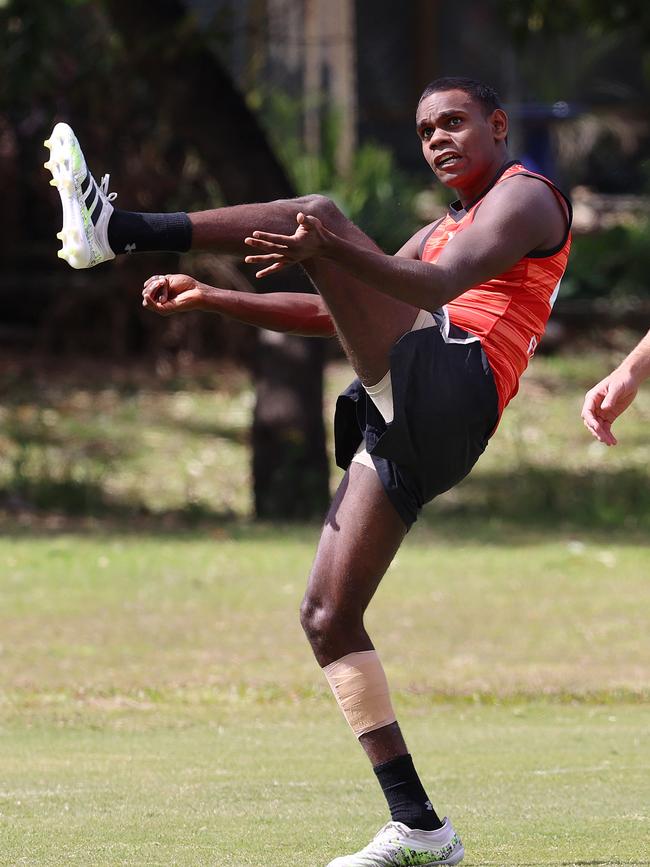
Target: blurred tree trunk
{"x": 290, "y": 468}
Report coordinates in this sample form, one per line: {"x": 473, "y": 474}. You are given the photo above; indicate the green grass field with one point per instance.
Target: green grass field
{"x": 160, "y": 706}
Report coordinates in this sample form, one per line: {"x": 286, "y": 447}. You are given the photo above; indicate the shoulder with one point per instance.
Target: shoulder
{"x": 523, "y": 198}
{"x": 527, "y": 208}
{"x": 523, "y": 189}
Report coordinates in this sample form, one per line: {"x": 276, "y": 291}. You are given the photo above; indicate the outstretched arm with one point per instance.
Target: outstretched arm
{"x": 612, "y": 395}
{"x": 514, "y": 219}
{"x": 289, "y": 312}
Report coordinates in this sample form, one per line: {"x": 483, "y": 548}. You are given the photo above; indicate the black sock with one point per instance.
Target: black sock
{"x": 407, "y": 800}
{"x": 129, "y": 232}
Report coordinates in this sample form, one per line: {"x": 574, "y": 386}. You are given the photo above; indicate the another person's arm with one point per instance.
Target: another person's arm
{"x": 288, "y": 312}
{"x": 612, "y": 395}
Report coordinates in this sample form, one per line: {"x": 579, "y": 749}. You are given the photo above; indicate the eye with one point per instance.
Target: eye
{"x": 454, "y": 121}
{"x": 426, "y": 133}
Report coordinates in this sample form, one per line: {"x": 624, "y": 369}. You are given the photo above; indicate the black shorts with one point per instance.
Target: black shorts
{"x": 445, "y": 409}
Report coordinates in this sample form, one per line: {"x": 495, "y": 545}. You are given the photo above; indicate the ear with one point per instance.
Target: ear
{"x": 499, "y": 123}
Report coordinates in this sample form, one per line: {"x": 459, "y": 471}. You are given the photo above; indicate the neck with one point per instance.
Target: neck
{"x": 472, "y": 191}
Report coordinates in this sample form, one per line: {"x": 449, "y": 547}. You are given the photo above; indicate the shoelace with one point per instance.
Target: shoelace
{"x": 104, "y": 188}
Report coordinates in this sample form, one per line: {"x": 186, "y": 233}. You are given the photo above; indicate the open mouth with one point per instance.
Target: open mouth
{"x": 447, "y": 160}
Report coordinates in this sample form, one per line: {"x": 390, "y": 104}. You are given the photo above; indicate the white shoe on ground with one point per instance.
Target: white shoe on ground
{"x": 86, "y": 205}
{"x": 396, "y": 845}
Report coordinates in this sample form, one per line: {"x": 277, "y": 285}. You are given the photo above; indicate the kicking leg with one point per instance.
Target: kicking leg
{"x": 368, "y": 323}
{"x": 93, "y": 231}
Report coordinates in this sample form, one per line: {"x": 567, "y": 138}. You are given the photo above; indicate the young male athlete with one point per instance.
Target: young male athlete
{"x": 438, "y": 336}
{"x": 611, "y": 396}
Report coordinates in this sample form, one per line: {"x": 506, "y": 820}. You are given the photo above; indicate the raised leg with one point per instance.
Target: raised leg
{"x": 368, "y": 323}
{"x": 224, "y": 229}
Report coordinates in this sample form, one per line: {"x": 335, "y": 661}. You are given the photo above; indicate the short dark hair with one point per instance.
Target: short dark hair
{"x": 485, "y": 95}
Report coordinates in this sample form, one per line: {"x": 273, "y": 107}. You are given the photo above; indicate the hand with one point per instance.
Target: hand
{"x": 171, "y": 293}
{"x": 309, "y": 240}
{"x": 606, "y": 401}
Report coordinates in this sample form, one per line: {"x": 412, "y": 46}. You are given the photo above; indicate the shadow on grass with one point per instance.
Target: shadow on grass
{"x": 240, "y": 435}
{"x": 47, "y": 504}
{"x": 538, "y": 500}
{"x": 45, "y": 380}
{"x": 495, "y": 510}
{"x": 18, "y": 520}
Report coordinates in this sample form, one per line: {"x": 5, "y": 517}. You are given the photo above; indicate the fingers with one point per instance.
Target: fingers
{"x": 604, "y": 403}
{"x": 267, "y": 239}
{"x": 311, "y": 221}
{"x": 261, "y": 259}
{"x": 603, "y": 433}
{"x": 155, "y": 289}
{"x": 171, "y": 293}
{"x": 273, "y": 261}
{"x": 607, "y": 394}
{"x": 591, "y": 404}
{"x": 598, "y": 425}
{"x": 157, "y": 278}
{"x": 608, "y": 437}
{"x": 161, "y": 308}
{"x": 601, "y": 430}
{"x": 277, "y": 266}
{"x": 307, "y": 221}
{"x": 615, "y": 393}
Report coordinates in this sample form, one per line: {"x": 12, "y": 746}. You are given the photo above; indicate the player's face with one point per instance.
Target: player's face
{"x": 463, "y": 147}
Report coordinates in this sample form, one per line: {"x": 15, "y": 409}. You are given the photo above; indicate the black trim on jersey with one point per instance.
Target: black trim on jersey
{"x": 544, "y": 254}
{"x": 423, "y": 242}
{"x": 457, "y": 212}
{"x": 456, "y": 209}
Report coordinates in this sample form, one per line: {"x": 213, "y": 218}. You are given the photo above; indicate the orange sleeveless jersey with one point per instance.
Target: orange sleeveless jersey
{"x": 509, "y": 312}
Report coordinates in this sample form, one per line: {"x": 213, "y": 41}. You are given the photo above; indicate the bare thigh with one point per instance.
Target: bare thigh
{"x": 368, "y": 322}
{"x": 361, "y": 535}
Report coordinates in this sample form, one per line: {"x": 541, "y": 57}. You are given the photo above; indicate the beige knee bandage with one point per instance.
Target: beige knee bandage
{"x": 361, "y": 689}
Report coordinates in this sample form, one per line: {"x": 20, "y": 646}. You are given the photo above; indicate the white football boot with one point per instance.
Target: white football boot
{"x": 397, "y": 845}
{"x": 86, "y": 205}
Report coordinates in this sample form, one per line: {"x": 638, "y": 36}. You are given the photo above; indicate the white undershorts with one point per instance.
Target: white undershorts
{"x": 381, "y": 393}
